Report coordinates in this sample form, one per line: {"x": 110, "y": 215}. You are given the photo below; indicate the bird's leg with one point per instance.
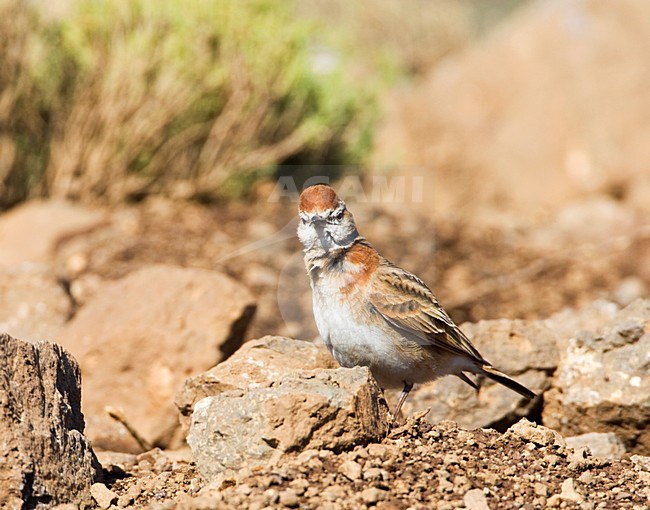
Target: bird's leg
{"x": 405, "y": 392}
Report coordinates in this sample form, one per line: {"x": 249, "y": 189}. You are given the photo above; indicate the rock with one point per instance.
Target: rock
{"x": 568, "y": 493}
{"x": 372, "y": 495}
{"x": 475, "y": 500}
{"x": 103, "y": 496}
{"x": 32, "y": 231}
{"x": 310, "y": 409}
{"x": 600, "y": 444}
{"x": 257, "y": 363}
{"x": 527, "y": 351}
{"x": 351, "y": 470}
{"x": 641, "y": 462}
{"x": 478, "y": 138}
{"x": 33, "y": 305}
{"x": 142, "y": 336}
{"x": 603, "y": 381}
{"x": 289, "y": 498}
{"x": 46, "y": 459}
{"x": 569, "y": 322}
{"x": 537, "y": 434}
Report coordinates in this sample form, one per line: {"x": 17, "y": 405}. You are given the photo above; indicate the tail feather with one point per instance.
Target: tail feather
{"x": 501, "y": 378}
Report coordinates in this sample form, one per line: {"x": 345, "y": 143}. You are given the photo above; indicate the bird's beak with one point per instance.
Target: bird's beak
{"x": 316, "y": 221}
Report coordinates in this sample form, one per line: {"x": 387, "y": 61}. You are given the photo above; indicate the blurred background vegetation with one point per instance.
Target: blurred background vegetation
{"x": 107, "y": 101}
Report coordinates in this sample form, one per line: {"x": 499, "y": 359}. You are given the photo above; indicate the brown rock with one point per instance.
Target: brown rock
{"x": 465, "y": 122}
{"x": 47, "y": 460}
{"x": 257, "y": 363}
{"x": 537, "y": 434}
{"x": 31, "y": 231}
{"x": 33, "y": 305}
{"x": 527, "y": 351}
{"x": 603, "y": 381}
{"x": 103, "y": 496}
{"x": 321, "y": 409}
{"x": 142, "y": 336}
{"x": 350, "y": 469}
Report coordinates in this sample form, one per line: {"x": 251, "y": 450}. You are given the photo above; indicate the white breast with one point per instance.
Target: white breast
{"x": 356, "y": 337}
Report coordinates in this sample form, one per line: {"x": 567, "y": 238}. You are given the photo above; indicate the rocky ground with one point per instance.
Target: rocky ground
{"x": 419, "y": 465}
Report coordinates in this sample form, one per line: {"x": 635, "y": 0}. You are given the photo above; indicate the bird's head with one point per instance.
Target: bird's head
{"x": 325, "y": 222}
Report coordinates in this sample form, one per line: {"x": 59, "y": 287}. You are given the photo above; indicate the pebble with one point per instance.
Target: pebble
{"x": 372, "y": 495}
{"x": 540, "y": 489}
{"x": 300, "y": 485}
{"x": 641, "y": 462}
{"x": 289, "y": 498}
{"x": 103, "y": 496}
{"x": 586, "y": 477}
{"x": 375, "y": 474}
{"x": 351, "y": 470}
{"x": 475, "y": 500}
{"x": 125, "y": 500}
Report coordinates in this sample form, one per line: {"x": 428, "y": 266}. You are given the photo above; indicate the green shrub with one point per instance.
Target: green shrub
{"x": 183, "y": 98}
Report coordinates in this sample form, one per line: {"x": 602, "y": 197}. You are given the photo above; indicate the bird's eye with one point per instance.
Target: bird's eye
{"x": 336, "y": 218}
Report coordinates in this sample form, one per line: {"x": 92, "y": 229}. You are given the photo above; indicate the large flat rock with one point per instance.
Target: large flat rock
{"x": 318, "y": 409}
{"x": 257, "y": 363}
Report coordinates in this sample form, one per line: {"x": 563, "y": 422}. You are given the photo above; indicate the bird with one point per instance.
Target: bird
{"x": 370, "y": 312}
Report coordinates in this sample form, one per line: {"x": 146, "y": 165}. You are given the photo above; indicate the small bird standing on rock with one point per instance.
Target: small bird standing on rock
{"x": 372, "y": 313}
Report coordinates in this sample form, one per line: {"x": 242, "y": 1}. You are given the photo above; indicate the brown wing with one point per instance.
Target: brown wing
{"x": 409, "y": 306}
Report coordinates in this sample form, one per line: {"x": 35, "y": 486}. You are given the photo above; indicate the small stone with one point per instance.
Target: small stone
{"x": 554, "y": 500}
{"x": 289, "y": 498}
{"x": 569, "y": 492}
{"x": 551, "y": 460}
{"x": 372, "y": 496}
{"x": 375, "y": 474}
{"x": 333, "y": 493}
{"x": 475, "y": 500}
{"x": 586, "y": 477}
{"x": 244, "y": 489}
{"x": 451, "y": 459}
{"x": 307, "y": 455}
{"x": 377, "y": 450}
{"x": 351, "y": 470}
{"x": 541, "y": 489}
{"x": 195, "y": 485}
{"x": 641, "y": 462}
{"x": 300, "y": 485}
{"x": 103, "y": 496}
{"x": 541, "y": 436}
{"x": 125, "y": 500}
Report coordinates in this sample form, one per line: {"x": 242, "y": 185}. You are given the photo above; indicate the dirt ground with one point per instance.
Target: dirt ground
{"x": 477, "y": 272}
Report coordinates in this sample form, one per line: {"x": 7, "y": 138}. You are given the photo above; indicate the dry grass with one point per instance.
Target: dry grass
{"x": 19, "y": 115}
{"x": 159, "y": 96}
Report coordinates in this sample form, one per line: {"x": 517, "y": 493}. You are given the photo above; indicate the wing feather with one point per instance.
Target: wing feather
{"x": 409, "y": 306}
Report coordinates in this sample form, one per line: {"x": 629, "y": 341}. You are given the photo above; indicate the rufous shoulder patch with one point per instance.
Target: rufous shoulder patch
{"x": 366, "y": 259}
